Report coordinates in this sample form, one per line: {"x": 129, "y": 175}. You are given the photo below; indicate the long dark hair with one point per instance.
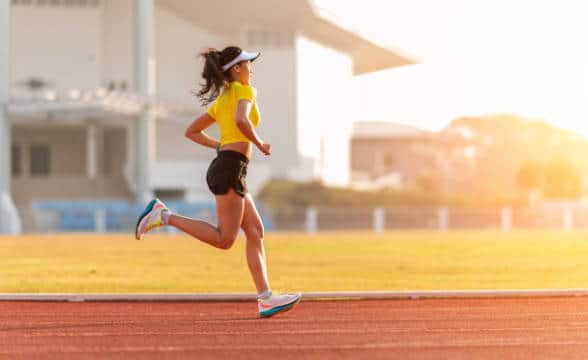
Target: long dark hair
{"x": 213, "y": 74}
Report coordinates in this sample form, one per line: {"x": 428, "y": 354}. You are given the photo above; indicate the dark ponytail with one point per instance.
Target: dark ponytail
{"x": 215, "y": 78}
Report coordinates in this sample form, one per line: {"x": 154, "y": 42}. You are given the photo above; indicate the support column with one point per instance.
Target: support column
{"x": 443, "y": 215}
{"x": 91, "y": 153}
{"x": 145, "y": 86}
{"x": 506, "y": 219}
{"x": 379, "y": 220}
{"x": 311, "y": 222}
{"x": 9, "y": 219}
{"x": 568, "y": 218}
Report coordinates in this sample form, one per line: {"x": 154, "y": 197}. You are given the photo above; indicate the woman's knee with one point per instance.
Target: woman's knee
{"x": 227, "y": 241}
{"x": 254, "y": 231}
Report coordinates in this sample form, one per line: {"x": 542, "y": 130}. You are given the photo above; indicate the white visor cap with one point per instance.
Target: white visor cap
{"x": 243, "y": 56}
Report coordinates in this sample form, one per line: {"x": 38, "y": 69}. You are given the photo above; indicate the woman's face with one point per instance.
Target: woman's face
{"x": 242, "y": 72}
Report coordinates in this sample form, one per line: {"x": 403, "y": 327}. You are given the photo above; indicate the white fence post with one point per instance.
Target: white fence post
{"x": 568, "y": 219}
{"x": 378, "y": 223}
{"x": 100, "y": 220}
{"x": 443, "y": 216}
{"x": 311, "y": 224}
{"x": 506, "y": 219}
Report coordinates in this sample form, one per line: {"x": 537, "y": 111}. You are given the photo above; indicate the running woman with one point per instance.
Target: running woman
{"x": 233, "y": 107}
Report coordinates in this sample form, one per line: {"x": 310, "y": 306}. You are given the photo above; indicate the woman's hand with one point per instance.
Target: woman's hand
{"x": 265, "y": 148}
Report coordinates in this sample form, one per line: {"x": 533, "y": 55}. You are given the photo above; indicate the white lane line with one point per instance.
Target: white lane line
{"x": 348, "y": 295}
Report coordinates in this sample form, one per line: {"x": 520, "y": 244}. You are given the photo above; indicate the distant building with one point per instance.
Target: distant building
{"x": 390, "y": 155}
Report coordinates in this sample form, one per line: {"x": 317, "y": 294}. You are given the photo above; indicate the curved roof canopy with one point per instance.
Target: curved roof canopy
{"x": 299, "y": 16}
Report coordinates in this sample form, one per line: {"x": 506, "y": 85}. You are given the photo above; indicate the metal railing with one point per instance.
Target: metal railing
{"x": 116, "y": 217}
{"x": 428, "y": 218}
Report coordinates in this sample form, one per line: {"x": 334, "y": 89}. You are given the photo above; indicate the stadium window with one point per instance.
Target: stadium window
{"x": 15, "y": 161}
{"x": 39, "y": 160}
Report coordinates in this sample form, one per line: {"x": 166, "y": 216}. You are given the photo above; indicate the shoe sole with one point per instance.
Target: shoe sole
{"x": 143, "y": 215}
{"x": 280, "y": 309}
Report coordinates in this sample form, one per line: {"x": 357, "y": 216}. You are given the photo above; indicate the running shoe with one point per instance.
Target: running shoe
{"x": 150, "y": 218}
{"x": 278, "y": 303}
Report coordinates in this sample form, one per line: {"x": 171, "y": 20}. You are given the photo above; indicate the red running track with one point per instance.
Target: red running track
{"x": 507, "y": 328}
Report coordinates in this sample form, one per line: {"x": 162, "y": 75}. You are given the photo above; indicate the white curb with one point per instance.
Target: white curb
{"x": 349, "y": 295}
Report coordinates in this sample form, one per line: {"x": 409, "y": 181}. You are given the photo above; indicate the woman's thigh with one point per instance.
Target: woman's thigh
{"x": 230, "y": 208}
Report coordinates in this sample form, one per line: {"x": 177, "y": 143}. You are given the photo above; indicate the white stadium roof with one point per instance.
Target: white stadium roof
{"x": 385, "y": 130}
{"x": 302, "y": 16}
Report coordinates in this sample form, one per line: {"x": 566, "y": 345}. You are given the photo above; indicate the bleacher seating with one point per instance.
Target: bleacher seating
{"x": 119, "y": 215}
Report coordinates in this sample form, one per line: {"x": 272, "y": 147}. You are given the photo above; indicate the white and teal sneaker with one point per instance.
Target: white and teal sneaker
{"x": 278, "y": 303}
{"x": 150, "y": 218}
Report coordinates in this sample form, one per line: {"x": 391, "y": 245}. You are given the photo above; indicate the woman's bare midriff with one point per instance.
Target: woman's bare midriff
{"x": 242, "y": 147}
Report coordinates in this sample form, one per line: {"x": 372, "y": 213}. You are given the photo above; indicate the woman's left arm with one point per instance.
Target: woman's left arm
{"x": 195, "y": 131}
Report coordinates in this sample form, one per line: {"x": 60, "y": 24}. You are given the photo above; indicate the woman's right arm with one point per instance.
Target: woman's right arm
{"x": 195, "y": 131}
{"x": 243, "y": 123}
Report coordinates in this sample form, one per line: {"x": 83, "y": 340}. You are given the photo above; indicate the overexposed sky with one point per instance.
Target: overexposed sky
{"x": 475, "y": 57}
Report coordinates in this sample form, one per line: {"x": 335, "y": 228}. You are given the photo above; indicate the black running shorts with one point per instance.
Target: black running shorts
{"x": 228, "y": 171}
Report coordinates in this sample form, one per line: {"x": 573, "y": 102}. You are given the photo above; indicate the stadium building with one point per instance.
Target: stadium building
{"x": 391, "y": 155}
{"x": 96, "y": 95}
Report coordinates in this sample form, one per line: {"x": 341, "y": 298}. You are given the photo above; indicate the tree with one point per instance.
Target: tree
{"x": 428, "y": 184}
{"x": 531, "y": 176}
{"x": 562, "y": 180}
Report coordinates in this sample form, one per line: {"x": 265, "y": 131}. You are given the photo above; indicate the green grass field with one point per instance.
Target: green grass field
{"x": 323, "y": 262}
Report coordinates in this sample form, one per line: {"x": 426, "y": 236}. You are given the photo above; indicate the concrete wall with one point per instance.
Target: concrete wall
{"x": 117, "y": 27}
{"x": 114, "y": 155}
{"x": 68, "y": 163}
{"x": 178, "y": 44}
{"x": 179, "y": 66}
{"x": 274, "y": 76}
{"x": 62, "y": 45}
{"x": 326, "y": 111}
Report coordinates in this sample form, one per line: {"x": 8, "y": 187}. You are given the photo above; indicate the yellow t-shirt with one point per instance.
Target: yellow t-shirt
{"x": 223, "y": 110}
